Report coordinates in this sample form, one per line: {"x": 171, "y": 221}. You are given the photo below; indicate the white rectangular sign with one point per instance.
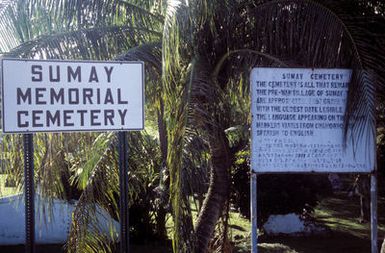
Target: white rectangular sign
{"x": 298, "y": 121}
{"x": 65, "y": 96}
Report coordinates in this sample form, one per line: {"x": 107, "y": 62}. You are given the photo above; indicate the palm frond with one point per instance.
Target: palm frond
{"x": 95, "y": 43}
{"x": 310, "y": 34}
{"x": 176, "y": 85}
{"x": 151, "y": 55}
{"x": 93, "y": 13}
{"x": 10, "y": 35}
{"x": 196, "y": 167}
{"x": 24, "y": 20}
{"x": 11, "y": 145}
{"x": 96, "y": 174}
{"x": 361, "y": 108}
{"x": 51, "y": 166}
{"x": 100, "y": 188}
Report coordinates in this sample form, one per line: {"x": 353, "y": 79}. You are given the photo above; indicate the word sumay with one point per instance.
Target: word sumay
{"x": 54, "y": 74}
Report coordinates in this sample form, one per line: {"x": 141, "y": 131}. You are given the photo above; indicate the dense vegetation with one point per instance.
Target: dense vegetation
{"x": 198, "y": 55}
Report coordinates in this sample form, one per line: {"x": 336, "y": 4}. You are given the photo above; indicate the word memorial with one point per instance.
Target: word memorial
{"x": 49, "y": 96}
{"x": 298, "y": 122}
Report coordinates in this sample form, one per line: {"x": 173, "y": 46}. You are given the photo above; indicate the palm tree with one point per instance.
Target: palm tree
{"x": 218, "y": 42}
{"x": 102, "y": 30}
{"x": 208, "y": 49}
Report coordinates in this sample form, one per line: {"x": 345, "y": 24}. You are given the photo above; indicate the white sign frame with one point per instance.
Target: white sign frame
{"x": 119, "y": 83}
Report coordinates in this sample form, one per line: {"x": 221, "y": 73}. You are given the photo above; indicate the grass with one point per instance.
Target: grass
{"x": 240, "y": 232}
{"x": 340, "y": 215}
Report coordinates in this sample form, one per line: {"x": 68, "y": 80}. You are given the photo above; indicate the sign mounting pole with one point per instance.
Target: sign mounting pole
{"x": 253, "y": 185}
{"x": 123, "y": 201}
{"x": 254, "y": 227}
{"x": 373, "y": 212}
{"x": 29, "y": 194}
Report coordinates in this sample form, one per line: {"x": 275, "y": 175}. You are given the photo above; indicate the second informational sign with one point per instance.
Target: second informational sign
{"x": 62, "y": 96}
{"x": 298, "y": 121}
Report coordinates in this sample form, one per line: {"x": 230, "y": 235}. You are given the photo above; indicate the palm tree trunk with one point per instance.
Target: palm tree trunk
{"x": 162, "y": 131}
{"x": 217, "y": 192}
{"x": 161, "y": 214}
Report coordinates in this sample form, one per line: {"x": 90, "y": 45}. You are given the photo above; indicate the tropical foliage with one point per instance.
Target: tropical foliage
{"x": 84, "y": 166}
{"x": 197, "y": 55}
{"x": 220, "y": 41}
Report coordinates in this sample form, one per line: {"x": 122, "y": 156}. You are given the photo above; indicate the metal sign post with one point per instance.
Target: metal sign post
{"x": 373, "y": 212}
{"x": 29, "y": 194}
{"x": 254, "y": 227}
{"x": 123, "y": 201}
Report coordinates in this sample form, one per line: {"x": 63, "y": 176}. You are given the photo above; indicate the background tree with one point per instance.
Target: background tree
{"x": 99, "y": 30}
{"x": 209, "y": 40}
{"x": 204, "y": 51}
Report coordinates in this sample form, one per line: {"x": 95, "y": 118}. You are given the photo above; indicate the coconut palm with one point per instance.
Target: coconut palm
{"x": 100, "y": 30}
{"x": 208, "y": 49}
{"x": 218, "y": 42}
